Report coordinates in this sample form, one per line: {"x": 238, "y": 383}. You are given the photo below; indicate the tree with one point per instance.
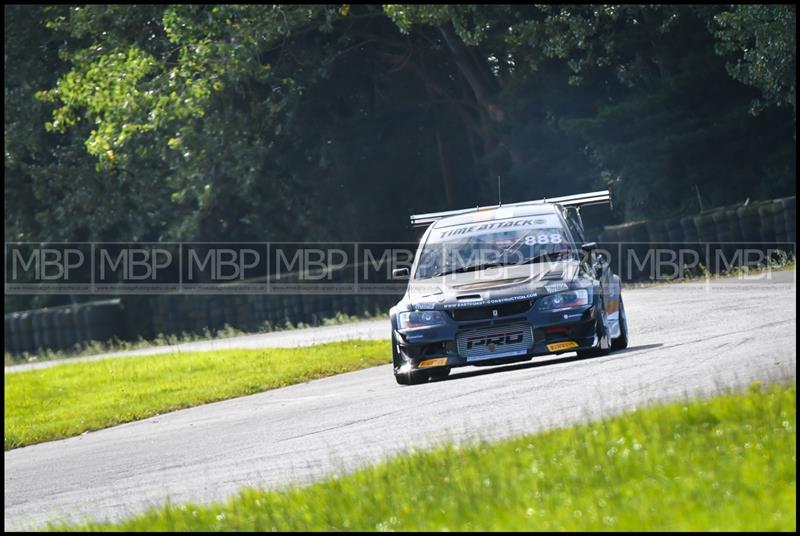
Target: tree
{"x": 331, "y": 122}
{"x": 759, "y": 43}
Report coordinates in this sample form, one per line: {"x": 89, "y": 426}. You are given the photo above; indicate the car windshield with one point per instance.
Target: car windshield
{"x": 474, "y": 247}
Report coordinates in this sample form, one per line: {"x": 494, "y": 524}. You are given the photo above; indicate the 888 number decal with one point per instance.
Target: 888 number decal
{"x": 543, "y": 239}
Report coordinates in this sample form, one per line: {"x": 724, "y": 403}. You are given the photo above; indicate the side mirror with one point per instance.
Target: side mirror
{"x": 400, "y": 273}
{"x": 596, "y": 261}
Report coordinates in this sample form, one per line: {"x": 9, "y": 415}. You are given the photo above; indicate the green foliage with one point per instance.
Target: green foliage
{"x": 330, "y": 122}
{"x": 724, "y": 464}
{"x": 657, "y": 101}
{"x": 761, "y": 42}
{"x": 69, "y": 399}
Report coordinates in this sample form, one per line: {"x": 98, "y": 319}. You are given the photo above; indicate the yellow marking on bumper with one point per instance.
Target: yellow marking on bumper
{"x": 439, "y": 362}
{"x": 557, "y": 346}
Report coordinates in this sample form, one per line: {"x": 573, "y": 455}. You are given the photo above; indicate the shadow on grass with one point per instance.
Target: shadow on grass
{"x": 497, "y": 369}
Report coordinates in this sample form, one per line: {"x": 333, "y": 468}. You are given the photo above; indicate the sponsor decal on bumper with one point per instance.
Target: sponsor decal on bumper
{"x": 558, "y": 346}
{"x": 438, "y": 362}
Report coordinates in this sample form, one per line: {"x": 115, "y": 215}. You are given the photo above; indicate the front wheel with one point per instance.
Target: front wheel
{"x": 603, "y": 344}
{"x": 408, "y": 377}
{"x": 621, "y": 342}
{"x": 412, "y": 377}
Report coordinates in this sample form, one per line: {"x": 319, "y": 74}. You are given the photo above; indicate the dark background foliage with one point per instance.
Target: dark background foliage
{"x": 319, "y": 122}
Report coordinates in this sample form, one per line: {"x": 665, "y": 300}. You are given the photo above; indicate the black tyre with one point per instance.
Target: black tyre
{"x": 397, "y": 360}
{"x": 410, "y": 377}
{"x": 603, "y": 344}
{"x": 621, "y": 342}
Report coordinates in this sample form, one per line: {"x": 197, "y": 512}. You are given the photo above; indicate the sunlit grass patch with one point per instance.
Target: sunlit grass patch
{"x": 67, "y": 400}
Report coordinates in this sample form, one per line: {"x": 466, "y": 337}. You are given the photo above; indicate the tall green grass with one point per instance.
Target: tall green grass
{"x": 67, "y": 400}
{"x": 728, "y": 463}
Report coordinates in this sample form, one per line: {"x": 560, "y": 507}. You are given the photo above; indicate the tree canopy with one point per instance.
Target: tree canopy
{"x": 320, "y": 122}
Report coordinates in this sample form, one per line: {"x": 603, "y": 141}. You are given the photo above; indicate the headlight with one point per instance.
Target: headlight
{"x": 563, "y": 300}
{"x": 417, "y": 319}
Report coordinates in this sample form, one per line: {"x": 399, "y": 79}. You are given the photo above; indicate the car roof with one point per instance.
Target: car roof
{"x": 498, "y": 213}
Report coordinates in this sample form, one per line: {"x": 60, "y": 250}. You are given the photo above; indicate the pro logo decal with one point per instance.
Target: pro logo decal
{"x": 493, "y": 341}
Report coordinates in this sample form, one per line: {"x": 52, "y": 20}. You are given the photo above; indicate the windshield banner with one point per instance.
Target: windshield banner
{"x": 498, "y": 226}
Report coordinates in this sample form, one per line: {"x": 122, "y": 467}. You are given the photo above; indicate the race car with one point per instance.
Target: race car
{"x": 502, "y": 284}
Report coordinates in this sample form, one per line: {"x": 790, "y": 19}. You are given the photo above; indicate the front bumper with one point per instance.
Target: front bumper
{"x": 551, "y": 332}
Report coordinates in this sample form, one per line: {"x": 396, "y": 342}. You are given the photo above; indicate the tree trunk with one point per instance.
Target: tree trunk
{"x": 447, "y": 178}
{"x": 483, "y": 86}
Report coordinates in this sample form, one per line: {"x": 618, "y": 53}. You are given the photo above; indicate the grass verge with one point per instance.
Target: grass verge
{"x": 42, "y": 405}
{"x": 726, "y": 463}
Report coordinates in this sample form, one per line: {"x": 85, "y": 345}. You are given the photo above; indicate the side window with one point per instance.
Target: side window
{"x": 574, "y": 230}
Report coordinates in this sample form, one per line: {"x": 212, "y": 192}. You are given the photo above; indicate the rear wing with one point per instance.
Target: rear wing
{"x": 567, "y": 201}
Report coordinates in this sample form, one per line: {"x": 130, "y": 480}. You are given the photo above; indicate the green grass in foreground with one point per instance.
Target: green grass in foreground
{"x": 67, "y": 400}
{"x": 722, "y": 464}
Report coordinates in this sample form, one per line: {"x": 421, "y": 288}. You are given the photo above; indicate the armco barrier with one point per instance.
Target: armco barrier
{"x": 131, "y": 317}
{"x": 60, "y": 328}
{"x": 716, "y": 233}
{"x": 790, "y": 217}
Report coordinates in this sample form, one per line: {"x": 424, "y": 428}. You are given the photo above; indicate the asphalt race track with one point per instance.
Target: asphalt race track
{"x": 690, "y": 339}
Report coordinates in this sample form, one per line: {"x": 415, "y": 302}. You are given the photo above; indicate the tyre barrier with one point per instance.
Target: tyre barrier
{"x": 229, "y": 310}
{"x": 689, "y": 230}
{"x": 767, "y": 222}
{"x": 690, "y": 238}
{"x": 789, "y": 205}
{"x": 674, "y": 231}
{"x": 714, "y": 236}
{"x": 107, "y": 319}
{"x": 723, "y": 227}
{"x": 707, "y": 235}
{"x": 630, "y": 244}
{"x": 706, "y": 227}
{"x": 36, "y": 333}
{"x": 724, "y": 236}
{"x": 259, "y": 310}
{"x": 12, "y": 332}
{"x": 636, "y": 254}
{"x": 62, "y": 327}
{"x": 26, "y": 328}
{"x": 733, "y": 224}
{"x": 657, "y": 231}
{"x": 47, "y": 327}
{"x": 778, "y": 220}
{"x": 758, "y": 224}
{"x": 749, "y": 223}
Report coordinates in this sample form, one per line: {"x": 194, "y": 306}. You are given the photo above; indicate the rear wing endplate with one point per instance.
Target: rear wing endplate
{"x": 567, "y": 201}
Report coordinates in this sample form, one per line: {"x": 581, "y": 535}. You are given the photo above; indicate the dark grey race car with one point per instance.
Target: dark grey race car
{"x": 503, "y": 284}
